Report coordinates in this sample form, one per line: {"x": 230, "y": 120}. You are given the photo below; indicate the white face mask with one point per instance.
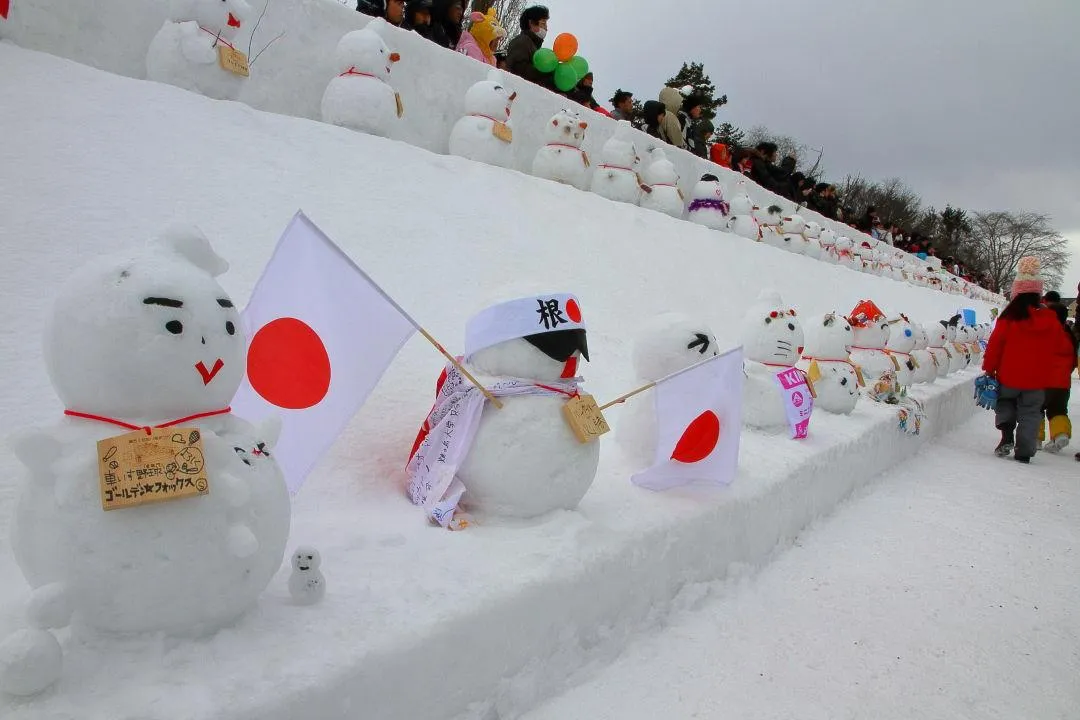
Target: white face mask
{"x": 541, "y": 33}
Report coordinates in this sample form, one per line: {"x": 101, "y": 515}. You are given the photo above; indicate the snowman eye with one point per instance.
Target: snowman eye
{"x": 791, "y": 327}
{"x": 768, "y": 320}
{"x": 229, "y": 327}
{"x": 175, "y": 327}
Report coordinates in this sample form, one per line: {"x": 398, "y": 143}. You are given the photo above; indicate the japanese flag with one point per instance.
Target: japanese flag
{"x": 321, "y": 334}
{"x": 698, "y": 423}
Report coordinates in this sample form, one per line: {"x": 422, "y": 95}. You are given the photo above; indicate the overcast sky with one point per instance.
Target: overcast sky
{"x": 971, "y": 102}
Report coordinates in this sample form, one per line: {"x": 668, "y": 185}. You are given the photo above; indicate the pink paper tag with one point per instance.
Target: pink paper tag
{"x": 798, "y": 401}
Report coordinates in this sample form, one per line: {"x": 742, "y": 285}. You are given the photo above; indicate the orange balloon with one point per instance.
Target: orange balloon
{"x": 565, "y": 47}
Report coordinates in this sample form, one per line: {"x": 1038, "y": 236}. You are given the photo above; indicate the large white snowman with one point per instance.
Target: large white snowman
{"x": 361, "y": 97}
{"x": 522, "y": 460}
{"x": 872, "y": 332}
{"x": 772, "y": 340}
{"x": 561, "y": 158}
{"x": 926, "y": 369}
{"x": 616, "y": 177}
{"x": 937, "y": 339}
{"x": 742, "y": 222}
{"x": 660, "y": 177}
{"x": 901, "y": 343}
{"x": 186, "y": 50}
{"x": 769, "y": 219}
{"x": 792, "y": 228}
{"x": 707, "y": 205}
{"x": 667, "y": 344}
{"x": 146, "y": 339}
{"x": 826, "y": 360}
{"x": 485, "y": 133}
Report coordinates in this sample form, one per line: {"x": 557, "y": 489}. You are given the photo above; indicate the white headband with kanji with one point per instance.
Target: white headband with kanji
{"x": 522, "y": 317}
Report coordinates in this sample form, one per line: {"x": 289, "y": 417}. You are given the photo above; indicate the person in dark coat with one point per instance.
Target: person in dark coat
{"x": 652, "y": 114}
{"x": 446, "y": 18}
{"x": 418, "y": 17}
{"x": 520, "y": 51}
{"x": 374, "y": 8}
{"x": 696, "y": 130}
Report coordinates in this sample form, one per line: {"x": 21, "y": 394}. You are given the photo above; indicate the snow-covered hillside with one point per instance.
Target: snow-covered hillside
{"x": 418, "y": 622}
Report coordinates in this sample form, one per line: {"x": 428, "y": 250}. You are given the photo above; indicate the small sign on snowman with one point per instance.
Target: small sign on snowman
{"x": 232, "y": 60}
{"x": 142, "y": 467}
{"x": 585, "y": 418}
{"x": 798, "y": 401}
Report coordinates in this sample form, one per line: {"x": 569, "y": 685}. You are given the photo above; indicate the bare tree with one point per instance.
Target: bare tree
{"x": 507, "y": 11}
{"x": 893, "y": 201}
{"x": 785, "y": 144}
{"x": 1001, "y": 239}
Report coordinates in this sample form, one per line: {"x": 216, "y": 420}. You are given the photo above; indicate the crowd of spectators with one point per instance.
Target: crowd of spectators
{"x": 675, "y": 116}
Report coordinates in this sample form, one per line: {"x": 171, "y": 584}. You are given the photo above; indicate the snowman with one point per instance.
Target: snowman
{"x": 663, "y": 194}
{"x": 669, "y": 343}
{"x": 146, "y": 342}
{"x": 561, "y": 158}
{"x": 769, "y": 220}
{"x": 523, "y": 460}
{"x": 791, "y": 234}
{"x": 361, "y": 97}
{"x": 772, "y": 340}
{"x": 965, "y": 336}
{"x": 845, "y": 253}
{"x": 707, "y": 206}
{"x": 485, "y": 134}
{"x": 616, "y": 177}
{"x": 829, "y": 252}
{"x": 191, "y": 47}
{"x": 864, "y": 257}
{"x": 926, "y": 369}
{"x": 872, "y": 331}
{"x": 958, "y": 353}
{"x": 827, "y": 363}
{"x": 937, "y": 339}
{"x": 307, "y": 585}
{"x": 742, "y": 222}
{"x": 899, "y": 346}
{"x": 811, "y": 241}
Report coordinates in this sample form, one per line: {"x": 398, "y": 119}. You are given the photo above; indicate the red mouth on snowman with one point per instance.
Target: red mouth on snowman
{"x": 208, "y": 375}
{"x": 234, "y": 22}
{"x": 570, "y": 368}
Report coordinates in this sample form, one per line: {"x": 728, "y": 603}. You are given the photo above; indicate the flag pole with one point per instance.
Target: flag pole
{"x": 459, "y": 367}
{"x": 650, "y": 386}
{"x": 627, "y": 396}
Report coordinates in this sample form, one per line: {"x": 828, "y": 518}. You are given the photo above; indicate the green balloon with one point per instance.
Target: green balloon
{"x": 566, "y": 77}
{"x": 580, "y": 65}
{"x": 544, "y": 60}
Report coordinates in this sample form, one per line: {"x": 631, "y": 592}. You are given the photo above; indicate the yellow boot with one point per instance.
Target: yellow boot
{"x": 1060, "y": 432}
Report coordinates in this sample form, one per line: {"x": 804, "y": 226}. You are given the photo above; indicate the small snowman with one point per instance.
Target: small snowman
{"x": 926, "y": 369}
{"x": 965, "y": 336}
{"x": 811, "y": 241}
{"x": 937, "y": 338}
{"x": 772, "y": 340}
{"x": 561, "y": 158}
{"x": 868, "y": 353}
{"x": 845, "y": 253}
{"x": 523, "y": 460}
{"x": 485, "y": 133}
{"x": 663, "y": 194}
{"x": 147, "y": 344}
{"x": 307, "y": 585}
{"x": 791, "y": 233}
{"x": 958, "y": 354}
{"x": 361, "y": 97}
{"x": 829, "y": 252}
{"x": 864, "y": 257}
{"x": 616, "y": 178}
{"x": 190, "y": 49}
{"x": 769, "y": 220}
{"x": 742, "y": 222}
{"x": 901, "y": 343}
{"x": 707, "y": 206}
{"x": 827, "y": 363}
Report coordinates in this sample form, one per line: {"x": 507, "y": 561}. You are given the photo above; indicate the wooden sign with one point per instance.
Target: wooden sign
{"x": 400, "y": 105}
{"x": 859, "y": 375}
{"x": 585, "y": 157}
{"x": 233, "y": 60}
{"x": 895, "y": 362}
{"x": 139, "y": 469}
{"x": 502, "y": 131}
{"x": 585, "y": 418}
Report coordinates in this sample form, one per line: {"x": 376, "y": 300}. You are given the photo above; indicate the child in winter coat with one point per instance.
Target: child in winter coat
{"x": 483, "y": 37}
{"x": 1056, "y": 404}
{"x": 1025, "y": 353}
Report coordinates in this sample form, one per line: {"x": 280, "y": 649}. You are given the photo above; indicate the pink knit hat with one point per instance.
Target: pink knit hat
{"x": 1027, "y": 277}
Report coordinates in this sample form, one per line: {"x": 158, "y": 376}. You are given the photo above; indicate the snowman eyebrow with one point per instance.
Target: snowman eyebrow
{"x": 225, "y": 302}
{"x": 166, "y": 302}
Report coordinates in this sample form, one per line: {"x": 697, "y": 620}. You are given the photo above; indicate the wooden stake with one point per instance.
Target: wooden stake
{"x": 627, "y": 396}
{"x": 460, "y": 368}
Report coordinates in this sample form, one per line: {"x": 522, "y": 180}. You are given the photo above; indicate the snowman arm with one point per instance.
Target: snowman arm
{"x": 195, "y": 48}
{"x": 37, "y": 450}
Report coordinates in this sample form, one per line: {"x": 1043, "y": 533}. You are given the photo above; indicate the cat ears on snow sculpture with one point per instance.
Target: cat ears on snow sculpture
{"x": 191, "y": 243}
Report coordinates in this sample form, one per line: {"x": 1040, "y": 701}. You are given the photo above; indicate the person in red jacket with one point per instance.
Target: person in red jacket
{"x": 1056, "y": 405}
{"x": 1025, "y": 354}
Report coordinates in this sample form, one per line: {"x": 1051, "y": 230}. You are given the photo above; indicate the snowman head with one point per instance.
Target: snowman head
{"x": 771, "y": 333}
{"x": 828, "y": 239}
{"x": 148, "y": 334}
{"x": 619, "y": 150}
{"x": 839, "y": 377}
{"x": 490, "y": 98}
{"x": 813, "y": 230}
{"x": 921, "y": 340}
{"x": 869, "y": 325}
{"x": 829, "y": 337}
{"x": 306, "y": 559}
{"x": 741, "y": 204}
{"x": 708, "y": 188}
{"x": 567, "y": 128}
{"x": 935, "y": 335}
{"x": 901, "y": 334}
{"x": 660, "y": 170}
{"x": 792, "y": 225}
{"x": 364, "y": 51}
{"x": 769, "y": 215}
{"x": 539, "y": 337}
{"x": 672, "y": 342}
{"x": 224, "y": 17}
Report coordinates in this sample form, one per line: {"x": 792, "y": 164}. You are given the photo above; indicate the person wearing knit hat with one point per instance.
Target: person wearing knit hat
{"x": 1026, "y": 353}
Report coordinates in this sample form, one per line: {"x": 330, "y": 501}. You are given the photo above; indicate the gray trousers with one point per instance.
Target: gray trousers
{"x": 1019, "y": 414}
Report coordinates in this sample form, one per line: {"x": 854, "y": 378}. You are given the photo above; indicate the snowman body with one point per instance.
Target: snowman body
{"x": 561, "y": 158}
{"x": 958, "y": 354}
{"x": 791, "y": 233}
{"x": 772, "y": 340}
{"x": 845, "y": 253}
{"x": 937, "y": 338}
{"x": 742, "y": 221}
{"x": 868, "y": 352}
{"x": 616, "y": 178}
{"x": 901, "y": 343}
{"x": 185, "y": 51}
{"x": 707, "y": 205}
{"x": 811, "y": 241}
{"x": 926, "y": 369}
{"x": 485, "y": 133}
{"x": 769, "y": 220}
{"x": 360, "y": 97}
{"x": 829, "y": 253}
{"x": 664, "y": 195}
{"x": 828, "y": 346}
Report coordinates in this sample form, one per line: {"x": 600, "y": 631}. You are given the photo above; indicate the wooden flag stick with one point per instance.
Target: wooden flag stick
{"x": 460, "y": 368}
{"x": 627, "y": 396}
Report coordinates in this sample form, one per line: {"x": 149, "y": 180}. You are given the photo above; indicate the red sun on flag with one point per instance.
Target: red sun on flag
{"x": 288, "y": 365}
{"x": 5, "y": 6}
{"x": 698, "y": 440}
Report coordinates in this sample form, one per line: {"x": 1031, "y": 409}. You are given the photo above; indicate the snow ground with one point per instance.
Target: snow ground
{"x": 947, "y": 589}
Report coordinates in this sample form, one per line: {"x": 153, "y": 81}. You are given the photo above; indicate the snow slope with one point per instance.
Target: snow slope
{"x": 946, "y": 591}
{"x": 418, "y": 623}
